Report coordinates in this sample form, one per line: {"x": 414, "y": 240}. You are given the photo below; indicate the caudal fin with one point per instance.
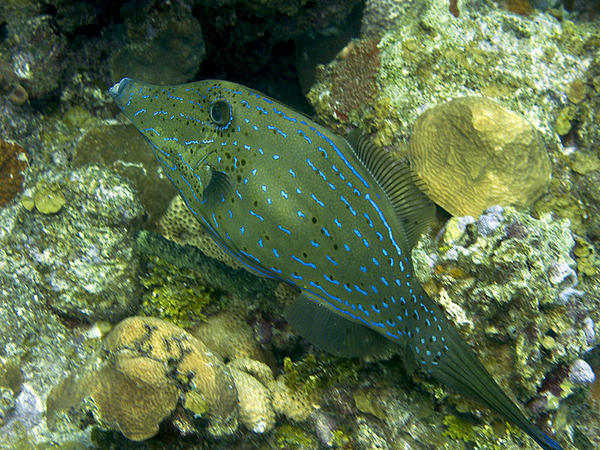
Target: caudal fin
{"x": 461, "y": 370}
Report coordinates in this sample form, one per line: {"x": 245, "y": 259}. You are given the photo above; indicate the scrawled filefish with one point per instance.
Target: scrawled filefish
{"x": 335, "y": 217}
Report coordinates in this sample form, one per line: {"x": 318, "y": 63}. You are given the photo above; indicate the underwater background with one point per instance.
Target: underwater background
{"x": 124, "y": 325}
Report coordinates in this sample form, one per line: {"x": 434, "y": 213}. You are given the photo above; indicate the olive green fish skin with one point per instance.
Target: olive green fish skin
{"x": 301, "y": 207}
{"x": 292, "y": 201}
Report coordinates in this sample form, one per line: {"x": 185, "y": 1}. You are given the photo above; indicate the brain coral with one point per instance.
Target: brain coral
{"x": 473, "y": 153}
{"x": 149, "y": 366}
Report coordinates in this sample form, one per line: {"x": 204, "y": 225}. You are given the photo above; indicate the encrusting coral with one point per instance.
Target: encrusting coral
{"x": 179, "y": 225}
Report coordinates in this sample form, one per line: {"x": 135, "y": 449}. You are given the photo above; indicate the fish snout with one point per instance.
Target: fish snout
{"x": 117, "y": 90}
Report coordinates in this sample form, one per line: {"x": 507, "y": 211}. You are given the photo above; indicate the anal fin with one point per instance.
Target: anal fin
{"x": 330, "y": 331}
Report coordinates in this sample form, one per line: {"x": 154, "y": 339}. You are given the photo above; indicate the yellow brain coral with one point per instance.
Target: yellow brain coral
{"x": 149, "y": 366}
{"x": 472, "y": 153}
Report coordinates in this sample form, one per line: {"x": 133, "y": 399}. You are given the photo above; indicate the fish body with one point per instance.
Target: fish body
{"x": 293, "y": 201}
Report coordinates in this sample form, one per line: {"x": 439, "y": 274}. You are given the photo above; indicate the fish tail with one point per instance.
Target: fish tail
{"x": 462, "y": 371}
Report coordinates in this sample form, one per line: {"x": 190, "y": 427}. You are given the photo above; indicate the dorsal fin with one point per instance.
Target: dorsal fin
{"x": 402, "y": 187}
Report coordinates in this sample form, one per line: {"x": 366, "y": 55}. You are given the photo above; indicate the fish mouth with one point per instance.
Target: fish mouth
{"x": 118, "y": 89}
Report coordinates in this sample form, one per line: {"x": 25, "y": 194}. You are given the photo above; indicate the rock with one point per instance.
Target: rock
{"x": 581, "y": 372}
{"x": 165, "y": 45}
{"x": 473, "y": 153}
{"x": 81, "y": 243}
{"x": 510, "y": 290}
{"x": 123, "y": 149}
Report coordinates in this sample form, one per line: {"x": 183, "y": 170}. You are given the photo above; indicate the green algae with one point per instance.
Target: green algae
{"x": 292, "y": 437}
{"x": 481, "y": 436}
{"x": 318, "y": 372}
{"x": 174, "y": 294}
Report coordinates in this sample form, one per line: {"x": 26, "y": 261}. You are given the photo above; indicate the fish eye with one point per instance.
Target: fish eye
{"x": 220, "y": 113}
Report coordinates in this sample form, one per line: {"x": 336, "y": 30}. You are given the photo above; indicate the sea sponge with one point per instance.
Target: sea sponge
{"x": 472, "y": 153}
{"x": 13, "y": 162}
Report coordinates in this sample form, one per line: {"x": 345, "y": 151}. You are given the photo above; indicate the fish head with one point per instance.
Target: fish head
{"x": 184, "y": 124}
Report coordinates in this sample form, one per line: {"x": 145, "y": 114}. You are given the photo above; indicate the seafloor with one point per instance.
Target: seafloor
{"x": 123, "y": 325}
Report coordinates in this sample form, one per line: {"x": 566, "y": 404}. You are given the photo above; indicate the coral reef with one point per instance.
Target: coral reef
{"x": 508, "y": 282}
{"x": 80, "y": 241}
{"x": 71, "y": 251}
{"x": 429, "y": 56}
{"x": 149, "y": 365}
{"x": 472, "y": 153}
{"x": 13, "y": 162}
{"x": 123, "y": 149}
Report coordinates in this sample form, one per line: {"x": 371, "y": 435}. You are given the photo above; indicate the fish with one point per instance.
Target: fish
{"x": 335, "y": 217}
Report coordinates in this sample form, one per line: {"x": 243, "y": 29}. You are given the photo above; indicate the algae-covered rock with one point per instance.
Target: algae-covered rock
{"x": 425, "y": 55}
{"x": 81, "y": 243}
{"x": 123, "y": 149}
{"x": 170, "y": 54}
{"x": 174, "y": 294}
{"x": 508, "y": 281}
{"x": 473, "y": 153}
